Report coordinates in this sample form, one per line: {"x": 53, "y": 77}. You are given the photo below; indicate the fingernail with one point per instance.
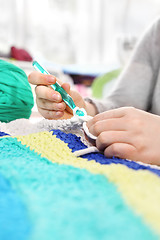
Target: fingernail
{"x": 51, "y": 79}
{"x": 58, "y": 113}
{"x": 59, "y": 106}
{"x": 56, "y": 97}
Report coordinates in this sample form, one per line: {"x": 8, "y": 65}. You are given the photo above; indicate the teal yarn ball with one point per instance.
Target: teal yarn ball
{"x": 16, "y": 98}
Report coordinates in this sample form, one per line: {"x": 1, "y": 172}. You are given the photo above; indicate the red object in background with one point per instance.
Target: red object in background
{"x": 20, "y": 54}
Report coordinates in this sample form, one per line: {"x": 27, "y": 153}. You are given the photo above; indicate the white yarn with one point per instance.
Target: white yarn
{"x": 89, "y": 135}
{"x": 85, "y": 151}
{"x": 25, "y": 126}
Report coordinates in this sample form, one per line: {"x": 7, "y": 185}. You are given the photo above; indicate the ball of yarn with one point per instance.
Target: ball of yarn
{"x": 16, "y": 98}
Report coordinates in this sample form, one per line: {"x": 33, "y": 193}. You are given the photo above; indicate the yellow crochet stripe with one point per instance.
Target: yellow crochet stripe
{"x": 140, "y": 189}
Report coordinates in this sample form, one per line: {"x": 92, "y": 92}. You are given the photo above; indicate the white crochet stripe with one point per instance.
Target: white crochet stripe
{"x": 25, "y": 127}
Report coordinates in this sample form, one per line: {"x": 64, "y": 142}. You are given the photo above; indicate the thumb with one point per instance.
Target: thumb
{"x": 66, "y": 87}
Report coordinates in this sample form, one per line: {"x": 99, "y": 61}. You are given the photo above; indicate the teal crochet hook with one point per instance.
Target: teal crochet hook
{"x": 65, "y": 96}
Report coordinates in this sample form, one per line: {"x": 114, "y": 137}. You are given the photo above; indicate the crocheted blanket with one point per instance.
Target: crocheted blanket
{"x": 46, "y": 192}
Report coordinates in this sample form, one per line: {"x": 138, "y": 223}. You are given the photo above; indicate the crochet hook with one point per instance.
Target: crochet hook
{"x": 80, "y": 112}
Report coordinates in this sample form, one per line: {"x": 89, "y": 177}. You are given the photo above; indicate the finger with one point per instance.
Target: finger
{"x": 114, "y": 113}
{"x": 50, "y": 114}
{"x": 115, "y": 124}
{"x": 110, "y": 137}
{"x": 37, "y": 78}
{"x": 48, "y": 93}
{"x": 50, "y": 105}
{"x": 66, "y": 87}
{"x": 121, "y": 150}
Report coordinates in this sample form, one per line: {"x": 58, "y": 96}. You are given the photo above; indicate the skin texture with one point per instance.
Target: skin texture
{"x": 128, "y": 133}
{"x": 49, "y": 102}
{"x": 124, "y": 132}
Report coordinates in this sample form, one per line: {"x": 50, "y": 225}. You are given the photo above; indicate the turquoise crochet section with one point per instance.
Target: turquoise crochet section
{"x": 64, "y": 202}
{"x": 14, "y": 222}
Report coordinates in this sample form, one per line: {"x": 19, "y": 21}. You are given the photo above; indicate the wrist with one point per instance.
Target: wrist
{"x": 90, "y": 109}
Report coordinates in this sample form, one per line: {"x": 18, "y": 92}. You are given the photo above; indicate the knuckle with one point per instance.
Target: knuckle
{"x": 33, "y": 78}
{"x": 63, "y": 106}
{"x": 49, "y": 114}
{"x": 44, "y": 103}
{"x": 102, "y": 138}
{"x": 101, "y": 142}
{"x": 37, "y": 90}
{"x": 94, "y": 120}
{"x": 48, "y": 93}
{"x": 96, "y": 128}
{"x": 115, "y": 150}
{"x": 138, "y": 123}
{"x": 140, "y": 143}
{"x": 119, "y": 151}
{"x": 126, "y": 151}
{"x": 129, "y": 110}
{"x": 45, "y": 113}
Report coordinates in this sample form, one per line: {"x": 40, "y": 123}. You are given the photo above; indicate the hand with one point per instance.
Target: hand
{"x": 49, "y": 102}
{"x": 128, "y": 133}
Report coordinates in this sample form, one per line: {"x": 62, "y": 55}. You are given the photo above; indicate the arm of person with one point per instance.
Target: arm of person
{"x": 128, "y": 133}
{"x": 136, "y": 83}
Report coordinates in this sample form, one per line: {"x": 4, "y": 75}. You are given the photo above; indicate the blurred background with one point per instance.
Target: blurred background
{"x": 74, "y": 31}
{"x": 77, "y": 40}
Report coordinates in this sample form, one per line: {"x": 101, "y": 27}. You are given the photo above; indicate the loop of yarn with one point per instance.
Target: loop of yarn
{"x": 16, "y": 98}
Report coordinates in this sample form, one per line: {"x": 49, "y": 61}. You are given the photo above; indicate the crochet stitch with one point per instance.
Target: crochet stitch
{"x": 59, "y": 195}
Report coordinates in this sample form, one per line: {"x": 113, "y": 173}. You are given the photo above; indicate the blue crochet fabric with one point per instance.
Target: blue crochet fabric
{"x": 3, "y": 134}
{"x": 75, "y": 144}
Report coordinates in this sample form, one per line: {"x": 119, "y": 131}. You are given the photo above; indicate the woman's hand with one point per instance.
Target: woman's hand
{"x": 49, "y": 102}
{"x": 128, "y": 133}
